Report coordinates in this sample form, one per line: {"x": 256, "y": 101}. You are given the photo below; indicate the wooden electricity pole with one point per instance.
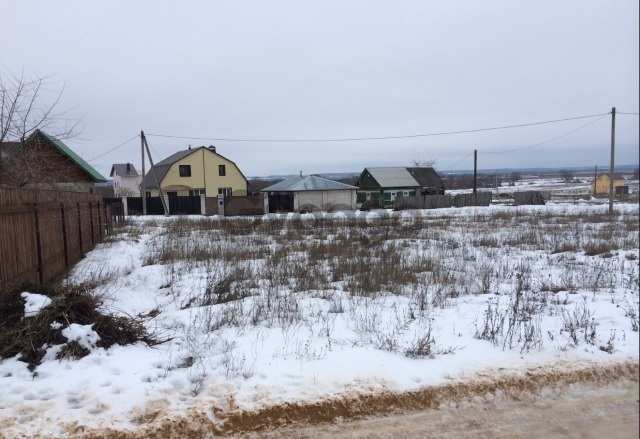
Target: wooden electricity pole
{"x": 154, "y": 174}
{"x": 143, "y": 191}
{"x": 612, "y": 158}
{"x": 475, "y": 174}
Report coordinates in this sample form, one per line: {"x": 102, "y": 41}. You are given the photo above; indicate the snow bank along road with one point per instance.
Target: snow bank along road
{"x": 264, "y": 312}
{"x": 582, "y": 412}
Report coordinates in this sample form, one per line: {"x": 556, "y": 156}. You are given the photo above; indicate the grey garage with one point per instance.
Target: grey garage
{"x": 308, "y": 194}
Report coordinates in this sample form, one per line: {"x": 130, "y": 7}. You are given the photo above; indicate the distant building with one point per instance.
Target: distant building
{"x": 310, "y": 193}
{"x": 197, "y": 171}
{"x": 380, "y": 186}
{"x": 45, "y": 162}
{"x": 125, "y": 180}
{"x": 600, "y": 185}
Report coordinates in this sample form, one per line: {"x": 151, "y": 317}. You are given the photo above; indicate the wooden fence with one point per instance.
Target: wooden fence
{"x": 244, "y": 205}
{"x": 441, "y": 201}
{"x": 43, "y": 233}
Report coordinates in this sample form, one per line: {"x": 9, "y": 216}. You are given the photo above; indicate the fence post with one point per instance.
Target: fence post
{"x": 100, "y": 228}
{"x": 221, "y": 201}
{"x": 203, "y": 205}
{"x": 107, "y": 218}
{"x": 93, "y": 236}
{"x": 79, "y": 228}
{"x": 38, "y": 244}
{"x": 64, "y": 235}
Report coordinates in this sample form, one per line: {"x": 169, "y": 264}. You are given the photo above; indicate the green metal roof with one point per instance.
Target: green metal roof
{"x": 64, "y": 149}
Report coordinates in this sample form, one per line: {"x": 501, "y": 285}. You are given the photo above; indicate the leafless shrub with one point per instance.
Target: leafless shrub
{"x": 422, "y": 347}
{"x": 594, "y": 248}
{"x": 580, "y": 324}
{"x": 517, "y": 325}
{"x": 485, "y": 276}
{"x": 609, "y": 347}
{"x": 631, "y": 312}
{"x": 492, "y": 326}
{"x": 336, "y": 306}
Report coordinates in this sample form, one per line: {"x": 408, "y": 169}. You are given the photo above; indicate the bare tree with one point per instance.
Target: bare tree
{"x": 25, "y": 109}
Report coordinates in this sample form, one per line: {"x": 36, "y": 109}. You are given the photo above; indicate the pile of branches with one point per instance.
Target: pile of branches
{"x": 29, "y": 337}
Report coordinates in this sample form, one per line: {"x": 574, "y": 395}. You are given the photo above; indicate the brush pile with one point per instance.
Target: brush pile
{"x": 62, "y": 322}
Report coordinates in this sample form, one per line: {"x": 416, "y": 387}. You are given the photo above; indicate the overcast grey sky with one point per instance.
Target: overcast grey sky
{"x": 294, "y": 69}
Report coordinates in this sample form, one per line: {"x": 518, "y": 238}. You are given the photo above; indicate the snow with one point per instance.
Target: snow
{"x": 34, "y": 303}
{"x": 83, "y": 334}
{"x": 324, "y": 353}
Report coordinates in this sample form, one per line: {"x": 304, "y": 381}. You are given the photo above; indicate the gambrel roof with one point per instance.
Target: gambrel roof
{"x": 159, "y": 170}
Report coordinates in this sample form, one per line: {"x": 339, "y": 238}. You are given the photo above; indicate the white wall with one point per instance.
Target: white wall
{"x": 325, "y": 200}
{"x": 123, "y": 186}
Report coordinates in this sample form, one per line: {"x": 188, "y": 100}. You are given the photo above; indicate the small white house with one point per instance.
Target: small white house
{"x": 309, "y": 194}
{"x": 126, "y": 180}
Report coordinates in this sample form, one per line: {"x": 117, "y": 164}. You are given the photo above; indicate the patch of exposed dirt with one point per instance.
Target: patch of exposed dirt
{"x": 513, "y": 386}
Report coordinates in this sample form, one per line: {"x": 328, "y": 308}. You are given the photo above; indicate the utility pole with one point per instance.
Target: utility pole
{"x": 155, "y": 175}
{"x": 612, "y": 159}
{"x": 475, "y": 174}
{"x": 143, "y": 191}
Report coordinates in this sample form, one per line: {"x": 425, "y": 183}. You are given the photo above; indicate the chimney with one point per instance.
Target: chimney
{"x": 212, "y": 148}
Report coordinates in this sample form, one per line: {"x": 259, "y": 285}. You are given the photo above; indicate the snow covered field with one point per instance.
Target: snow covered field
{"x": 580, "y": 186}
{"x": 261, "y": 311}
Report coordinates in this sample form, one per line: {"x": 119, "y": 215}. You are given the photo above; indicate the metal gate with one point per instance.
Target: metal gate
{"x": 184, "y": 205}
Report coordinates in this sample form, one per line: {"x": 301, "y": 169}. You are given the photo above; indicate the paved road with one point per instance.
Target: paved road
{"x": 583, "y": 411}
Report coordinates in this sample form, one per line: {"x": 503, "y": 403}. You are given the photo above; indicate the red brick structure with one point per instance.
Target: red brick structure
{"x": 43, "y": 161}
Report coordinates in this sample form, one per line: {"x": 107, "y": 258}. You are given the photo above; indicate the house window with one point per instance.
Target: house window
{"x": 196, "y": 192}
{"x": 226, "y": 191}
{"x": 222, "y": 170}
{"x": 387, "y": 196}
{"x": 361, "y": 197}
{"x": 185, "y": 170}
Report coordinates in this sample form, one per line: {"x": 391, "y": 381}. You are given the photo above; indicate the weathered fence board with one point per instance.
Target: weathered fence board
{"x": 244, "y": 205}
{"x": 528, "y": 197}
{"x": 441, "y": 201}
{"x": 43, "y": 233}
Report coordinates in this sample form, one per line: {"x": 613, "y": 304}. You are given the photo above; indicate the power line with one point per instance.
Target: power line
{"x": 627, "y": 114}
{"x": 352, "y": 139}
{"x": 561, "y": 136}
{"x": 114, "y": 148}
{"x": 460, "y": 160}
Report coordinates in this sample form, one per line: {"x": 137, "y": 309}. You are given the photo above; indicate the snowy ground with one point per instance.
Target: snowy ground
{"x": 292, "y": 308}
{"x": 580, "y": 186}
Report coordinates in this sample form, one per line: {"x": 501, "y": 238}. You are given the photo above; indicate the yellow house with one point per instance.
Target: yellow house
{"x": 197, "y": 171}
{"x": 600, "y": 185}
